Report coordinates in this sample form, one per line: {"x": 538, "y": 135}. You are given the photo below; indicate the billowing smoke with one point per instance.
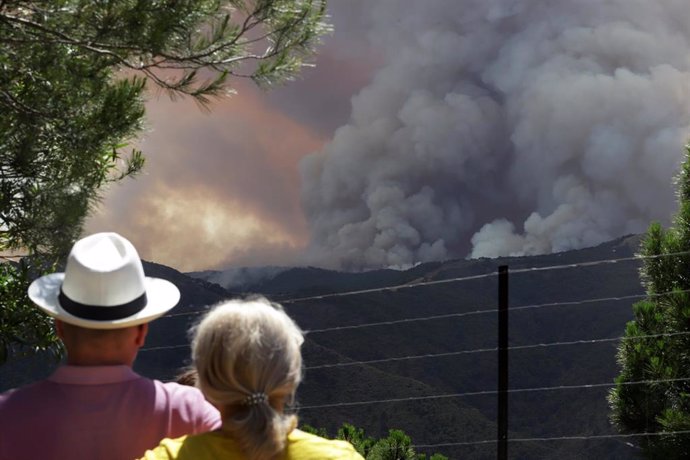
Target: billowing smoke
{"x": 504, "y": 127}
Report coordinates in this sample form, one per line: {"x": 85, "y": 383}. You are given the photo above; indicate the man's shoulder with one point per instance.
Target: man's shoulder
{"x": 178, "y": 391}
{"x": 18, "y": 400}
{"x": 22, "y": 392}
{"x": 181, "y": 396}
{"x": 7, "y": 396}
{"x": 188, "y": 403}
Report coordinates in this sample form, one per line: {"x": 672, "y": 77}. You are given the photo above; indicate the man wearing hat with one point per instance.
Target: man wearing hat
{"x": 95, "y": 406}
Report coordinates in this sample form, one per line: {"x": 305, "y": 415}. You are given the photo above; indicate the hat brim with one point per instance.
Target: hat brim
{"x": 162, "y": 296}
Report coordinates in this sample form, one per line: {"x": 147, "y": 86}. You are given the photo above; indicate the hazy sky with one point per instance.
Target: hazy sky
{"x": 222, "y": 188}
{"x": 427, "y": 130}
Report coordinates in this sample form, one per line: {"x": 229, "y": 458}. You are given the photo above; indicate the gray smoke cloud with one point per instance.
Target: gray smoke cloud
{"x": 503, "y": 127}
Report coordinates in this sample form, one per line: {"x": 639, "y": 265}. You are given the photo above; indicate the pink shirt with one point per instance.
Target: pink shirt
{"x": 99, "y": 412}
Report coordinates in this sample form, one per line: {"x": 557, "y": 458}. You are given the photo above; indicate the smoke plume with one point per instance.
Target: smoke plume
{"x": 503, "y": 127}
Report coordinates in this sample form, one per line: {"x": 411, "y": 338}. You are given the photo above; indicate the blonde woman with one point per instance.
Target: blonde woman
{"x": 247, "y": 355}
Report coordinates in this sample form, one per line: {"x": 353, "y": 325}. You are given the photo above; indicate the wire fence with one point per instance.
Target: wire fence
{"x": 484, "y": 311}
{"x": 491, "y": 392}
{"x": 305, "y": 301}
{"x": 556, "y": 438}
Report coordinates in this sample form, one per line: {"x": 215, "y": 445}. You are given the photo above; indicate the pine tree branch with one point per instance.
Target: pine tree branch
{"x": 197, "y": 60}
{"x": 14, "y": 103}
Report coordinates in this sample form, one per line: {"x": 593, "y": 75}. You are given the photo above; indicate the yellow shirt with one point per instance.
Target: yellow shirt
{"x": 214, "y": 445}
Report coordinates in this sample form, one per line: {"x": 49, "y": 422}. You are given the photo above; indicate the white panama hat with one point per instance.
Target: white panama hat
{"x": 103, "y": 286}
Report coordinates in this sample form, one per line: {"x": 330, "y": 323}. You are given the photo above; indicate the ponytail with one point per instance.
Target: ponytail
{"x": 247, "y": 354}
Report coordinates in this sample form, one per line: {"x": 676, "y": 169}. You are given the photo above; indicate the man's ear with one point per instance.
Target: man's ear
{"x": 142, "y": 330}
{"x": 58, "y": 329}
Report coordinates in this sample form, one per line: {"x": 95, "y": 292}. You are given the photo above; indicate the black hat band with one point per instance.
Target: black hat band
{"x": 99, "y": 312}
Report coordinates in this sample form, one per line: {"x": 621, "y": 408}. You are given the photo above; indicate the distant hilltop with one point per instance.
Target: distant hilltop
{"x": 275, "y": 280}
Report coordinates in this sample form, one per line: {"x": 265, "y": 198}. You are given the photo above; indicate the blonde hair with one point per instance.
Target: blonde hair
{"x": 243, "y": 348}
{"x": 187, "y": 377}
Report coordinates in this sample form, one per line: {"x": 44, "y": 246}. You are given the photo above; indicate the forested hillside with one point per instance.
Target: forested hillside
{"x": 415, "y": 349}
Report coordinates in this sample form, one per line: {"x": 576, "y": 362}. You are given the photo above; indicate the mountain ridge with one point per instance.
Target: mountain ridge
{"x": 415, "y": 349}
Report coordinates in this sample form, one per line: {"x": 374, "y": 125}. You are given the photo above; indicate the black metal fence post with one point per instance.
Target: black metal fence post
{"x": 502, "y": 362}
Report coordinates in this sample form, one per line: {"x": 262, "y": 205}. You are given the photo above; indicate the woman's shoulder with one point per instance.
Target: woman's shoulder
{"x": 199, "y": 446}
{"x": 306, "y": 446}
{"x": 168, "y": 449}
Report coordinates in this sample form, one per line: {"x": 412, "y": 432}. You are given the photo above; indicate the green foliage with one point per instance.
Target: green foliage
{"x": 172, "y": 41}
{"x": 397, "y": 446}
{"x": 16, "y": 337}
{"x": 656, "y": 346}
{"x": 73, "y": 75}
{"x": 356, "y": 437}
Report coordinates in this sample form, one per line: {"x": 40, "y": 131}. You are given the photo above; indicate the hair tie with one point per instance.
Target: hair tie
{"x": 254, "y": 399}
